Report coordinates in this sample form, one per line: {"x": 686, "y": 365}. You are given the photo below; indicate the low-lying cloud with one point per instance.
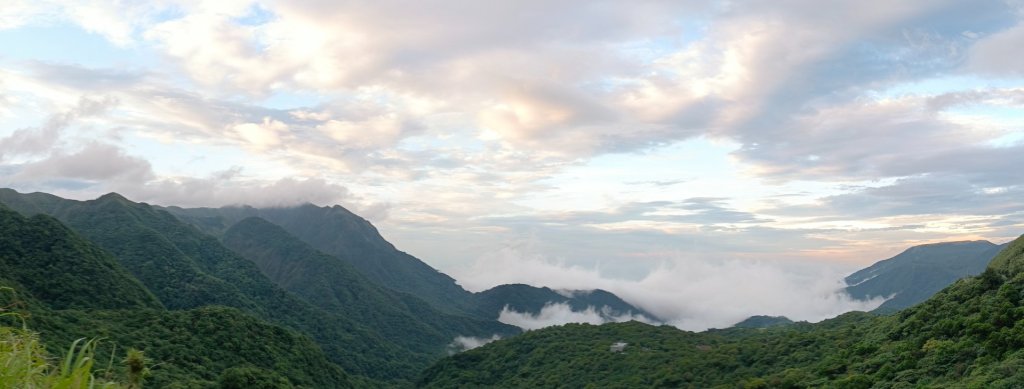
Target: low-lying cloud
{"x": 689, "y": 293}
{"x": 561, "y": 313}
{"x": 464, "y": 343}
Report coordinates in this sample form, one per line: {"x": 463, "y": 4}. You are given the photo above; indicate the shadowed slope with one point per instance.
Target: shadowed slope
{"x": 342, "y": 234}
{"x": 919, "y": 272}
{"x": 334, "y": 285}
{"x": 186, "y": 268}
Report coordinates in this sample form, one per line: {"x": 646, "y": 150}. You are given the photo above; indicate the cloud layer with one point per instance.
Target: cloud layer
{"x": 691, "y": 294}
{"x": 561, "y": 313}
{"x": 619, "y": 134}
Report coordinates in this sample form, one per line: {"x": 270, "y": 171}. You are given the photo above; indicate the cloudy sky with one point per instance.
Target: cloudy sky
{"x": 602, "y": 136}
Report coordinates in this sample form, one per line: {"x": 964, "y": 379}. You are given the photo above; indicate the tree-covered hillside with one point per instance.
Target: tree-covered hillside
{"x": 42, "y": 258}
{"x": 342, "y": 234}
{"x": 919, "y": 272}
{"x": 336, "y": 286}
{"x": 762, "y": 321}
{"x": 969, "y": 335}
{"x": 185, "y": 268}
{"x": 66, "y": 288}
{"x": 531, "y": 299}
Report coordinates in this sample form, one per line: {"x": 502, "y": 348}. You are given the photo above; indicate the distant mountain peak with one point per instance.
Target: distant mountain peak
{"x": 763, "y": 321}
{"x": 112, "y": 196}
{"x": 918, "y": 272}
{"x": 530, "y": 299}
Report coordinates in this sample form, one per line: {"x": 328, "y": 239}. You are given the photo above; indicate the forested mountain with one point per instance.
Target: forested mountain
{"x": 42, "y": 258}
{"x": 67, "y": 288}
{"x": 186, "y": 268}
{"x": 530, "y": 299}
{"x": 247, "y": 294}
{"x": 919, "y": 272}
{"x": 970, "y": 334}
{"x": 335, "y": 286}
{"x": 762, "y": 321}
{"x": 342, "y": 234}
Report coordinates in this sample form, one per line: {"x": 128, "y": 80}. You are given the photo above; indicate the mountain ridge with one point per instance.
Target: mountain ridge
{"x": 919, "y": 272}
{"x": 68, "y": 288}
{"x": 340, "y": 233}
{"x": 187, "y": 269}
{"x": 334, "y": 285}
{"x": 530, "y": 299}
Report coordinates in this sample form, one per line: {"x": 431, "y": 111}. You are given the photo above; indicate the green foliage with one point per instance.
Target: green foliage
{"x": 42, "y": 258}
{"x": 969, "y": 335}
{"x": 135, "y": 362}
{"x": 185, "y": 268}
{"x": 760, "y": 321}
{"x": 344, "y": 235}
{"x": 526, "y": 298}
{"x": 919, "y": 272}
{"x": 24, "y": 364}
{"x": 60, "y": 271}
{"x": 194, "y": 345}
{"x": 337, "y": 287}
{"x": 251, "y": 378}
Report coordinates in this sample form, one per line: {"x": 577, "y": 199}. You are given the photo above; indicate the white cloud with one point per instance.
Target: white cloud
{"x": 375, "y": 132}
{"x": 461, "y": 119}
{"x": 465, "y": 343}
{"x": 262, "y": 135}
{"x": 997, "y": 54}
{"x": 95, "y": 162}
{"x": 689, "y": 293}
{"x": 16, "y": 13}
{"x": 561, "y": 313}
{"x": 230, "y": 188}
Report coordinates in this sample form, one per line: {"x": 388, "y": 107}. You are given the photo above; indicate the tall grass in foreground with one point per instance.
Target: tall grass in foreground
{"x": 24, "y": 363}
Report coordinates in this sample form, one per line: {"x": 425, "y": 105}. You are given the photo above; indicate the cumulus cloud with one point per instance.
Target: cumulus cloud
{"x": 262, "y": 135}
{"x": 16, "y": 13}
{"x": 233, "y": 188}
{"x": 993, "y": 54}
{"x": 34, "y": 141}
{"x": 95, "y": 162}
{"x": 689, "y": 293}
{"x": 459, "y": 119}
{"x": 465, "y": 343}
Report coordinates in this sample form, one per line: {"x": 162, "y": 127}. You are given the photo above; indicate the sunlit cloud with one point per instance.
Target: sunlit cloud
{"x": 617, "y": 135}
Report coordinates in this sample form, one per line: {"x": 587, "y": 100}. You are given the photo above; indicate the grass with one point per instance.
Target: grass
{"x": 24, "y": 363}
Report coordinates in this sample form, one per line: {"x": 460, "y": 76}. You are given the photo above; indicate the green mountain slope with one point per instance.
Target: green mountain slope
{"x": 761, "y": 321}
{"x": 193, "y": 348}
{"x": 919, "y": 272}
{"x": 970, "y": 334}
{"x": 67, "y": 288}
{"x": 342, "y": 234}
{"x": 335, "y": 286}
{"x": 42, "y": 258}
{"x": 186, "y": 268}
{"x": 531, "y": 299}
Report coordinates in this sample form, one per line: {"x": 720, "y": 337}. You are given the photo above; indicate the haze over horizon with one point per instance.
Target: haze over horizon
{"x": 627, "y": 142}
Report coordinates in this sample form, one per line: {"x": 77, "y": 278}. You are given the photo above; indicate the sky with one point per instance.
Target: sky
{"x": 614, "y": 138}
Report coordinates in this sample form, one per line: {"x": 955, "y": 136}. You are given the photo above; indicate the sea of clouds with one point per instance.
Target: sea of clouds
{"x": 688, "y": 293}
